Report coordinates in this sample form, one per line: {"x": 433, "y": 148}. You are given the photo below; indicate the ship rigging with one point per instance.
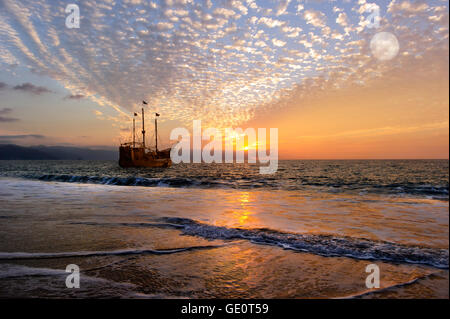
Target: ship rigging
{"x": 138, "y": 155}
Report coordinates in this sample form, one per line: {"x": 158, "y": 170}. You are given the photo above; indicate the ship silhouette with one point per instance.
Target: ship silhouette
{"x": 136, "y": 154}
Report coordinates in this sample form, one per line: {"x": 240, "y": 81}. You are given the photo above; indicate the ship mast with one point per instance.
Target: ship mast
{"x": 134, "y": 130}
{"x": 156, "y": 131}
{"x": 134, "y": 138}
{"x": 143, "y": 130}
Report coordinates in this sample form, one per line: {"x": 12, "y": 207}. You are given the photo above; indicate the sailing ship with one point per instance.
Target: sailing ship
{"x": 136, "y": 154}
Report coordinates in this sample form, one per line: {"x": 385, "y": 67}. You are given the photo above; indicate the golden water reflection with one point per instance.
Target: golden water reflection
{"x": 241, "y": 210}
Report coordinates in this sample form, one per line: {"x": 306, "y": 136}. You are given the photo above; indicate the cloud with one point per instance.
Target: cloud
{"x": 316, "y": 18}
{"x": 74, "y": 97}
{"x": 227, "y": 13}
{"x": 282, "y": 6}
{"x": 31, "y": 88}
{"x": 240, "y": 6}
{"x": 8, "y": 119}
{"x": 4, "y": 119}
{"x": 291, "y": 32}
{"x": 22, "y": 136}
{"x": 278, "y": 43}
{"x": 5, "y": 110}
{"x": 271, "y": 23}
{"x": 204, "y": 60}
{"x": 342, "y": 19}
{"x": 406, "y": 6}
{"x": 385, "y": 130}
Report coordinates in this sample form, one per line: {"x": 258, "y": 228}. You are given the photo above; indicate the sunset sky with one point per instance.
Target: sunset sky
{"x": 305, "y": 67}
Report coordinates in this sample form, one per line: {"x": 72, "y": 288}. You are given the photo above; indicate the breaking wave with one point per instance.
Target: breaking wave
{"x": 24, "y": 255}
{"x": 438, "y": 192}
{"x": 323, "y": 245}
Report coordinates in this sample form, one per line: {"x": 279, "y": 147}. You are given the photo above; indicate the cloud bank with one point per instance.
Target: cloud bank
{"x": 221, "y": 62}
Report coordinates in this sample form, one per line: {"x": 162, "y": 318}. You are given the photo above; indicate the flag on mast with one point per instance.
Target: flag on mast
{"x": 135, "y": 114}
{"x": 143, "y": 102}
{"x": 157, "y": 114}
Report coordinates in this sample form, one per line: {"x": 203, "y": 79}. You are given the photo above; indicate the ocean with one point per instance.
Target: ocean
{"x": 224, "y": 230}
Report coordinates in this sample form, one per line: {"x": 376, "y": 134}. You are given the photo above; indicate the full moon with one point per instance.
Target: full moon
{"x": 384, "y": 46}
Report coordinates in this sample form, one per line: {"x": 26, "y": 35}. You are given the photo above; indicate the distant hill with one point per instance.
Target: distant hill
{"x": 16, "y": 152}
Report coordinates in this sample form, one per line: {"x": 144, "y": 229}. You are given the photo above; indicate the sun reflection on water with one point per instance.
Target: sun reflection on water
{"x": 240, "y": 213}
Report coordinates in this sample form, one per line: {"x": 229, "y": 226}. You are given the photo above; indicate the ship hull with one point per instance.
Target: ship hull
{"x": 163, "y": 162}
{"x": 138, "y": 157}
